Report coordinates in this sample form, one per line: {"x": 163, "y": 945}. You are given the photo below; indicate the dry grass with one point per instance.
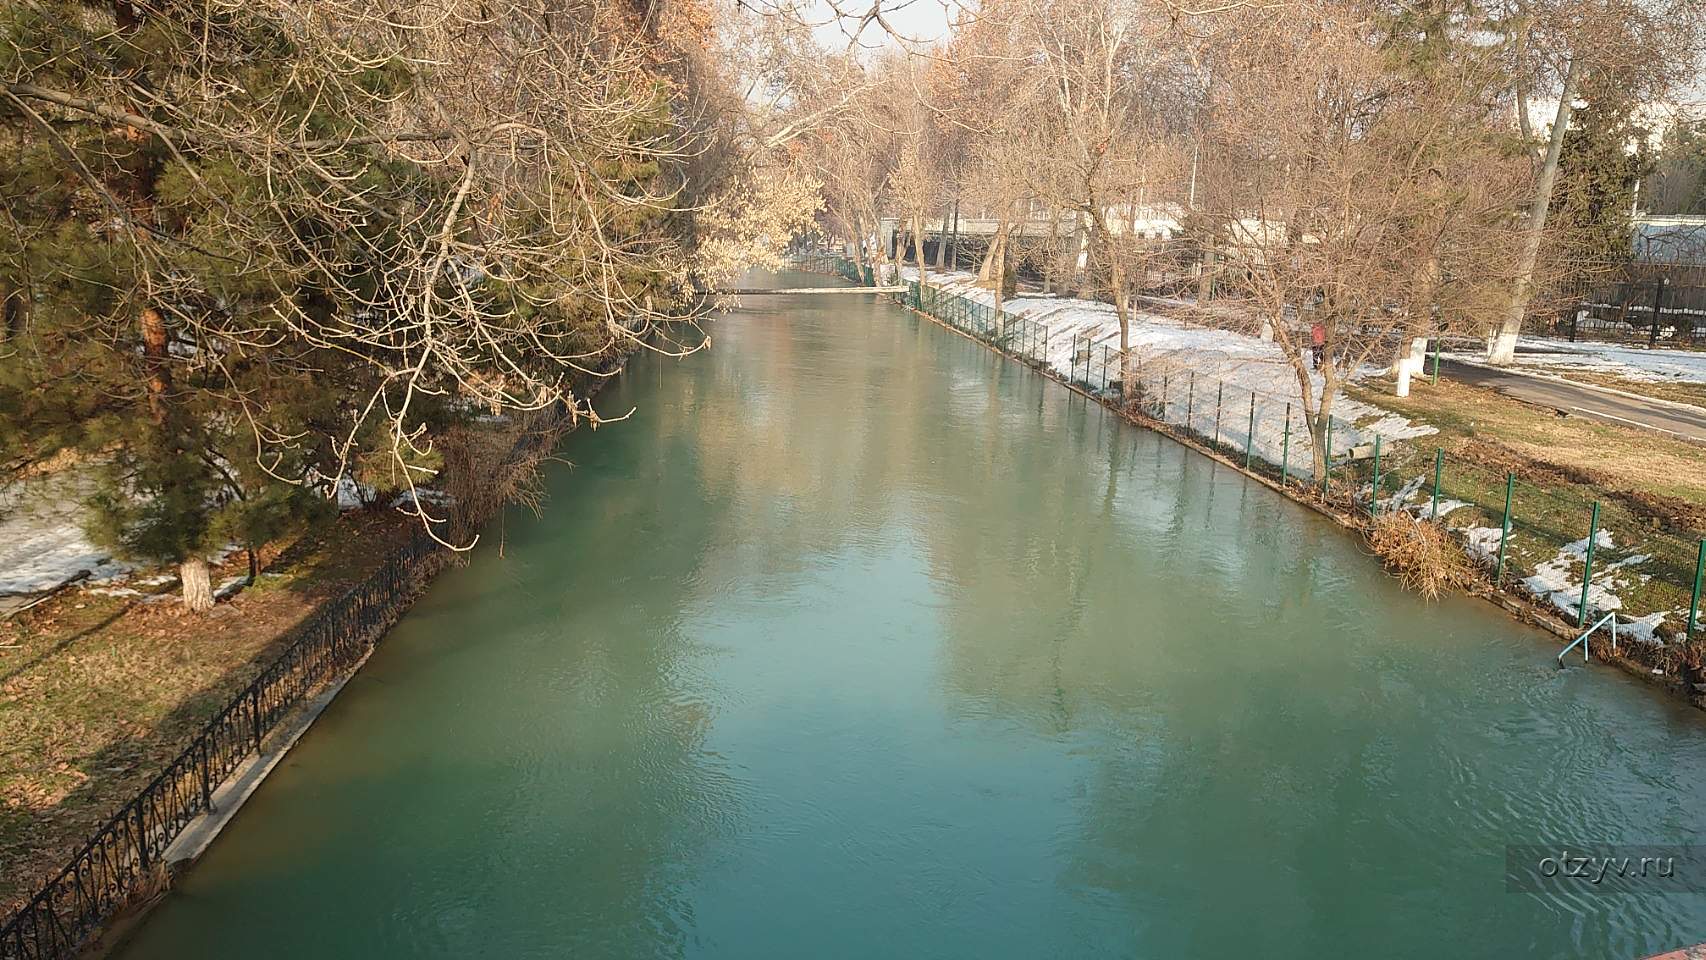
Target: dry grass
{"x": 1651, "y": 488}
{"x": 1423, "y": 556}
{"x": 1679, "y": 391}
{"x": 98, "y": 692}
{"x": 485, "y": 470}
{"x": 1603, "y": 455}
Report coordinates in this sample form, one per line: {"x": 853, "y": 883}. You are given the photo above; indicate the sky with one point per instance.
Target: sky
{"x": 924, "y": 20}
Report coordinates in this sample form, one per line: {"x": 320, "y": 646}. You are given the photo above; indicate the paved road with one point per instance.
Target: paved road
{"x": 1685, "y": 422}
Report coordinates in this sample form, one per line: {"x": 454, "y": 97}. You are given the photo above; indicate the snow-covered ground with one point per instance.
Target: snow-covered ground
{"x": 1207, "y": 357}
{"x": 1249, "y": 365}
{"x": 42, "y": 543}
{"x": 1547, "y": 355}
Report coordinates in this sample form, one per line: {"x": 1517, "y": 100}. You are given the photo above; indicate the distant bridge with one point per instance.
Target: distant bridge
{"x": 757, "y": 291}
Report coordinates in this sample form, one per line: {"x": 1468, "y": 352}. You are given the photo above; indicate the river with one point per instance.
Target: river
{"x": 857, "y": 640}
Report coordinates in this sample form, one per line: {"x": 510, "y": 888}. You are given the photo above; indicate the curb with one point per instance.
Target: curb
{"x": 228, "y": 798}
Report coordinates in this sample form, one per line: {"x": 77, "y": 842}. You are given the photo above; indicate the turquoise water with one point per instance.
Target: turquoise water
{"x": 856, "y": 640}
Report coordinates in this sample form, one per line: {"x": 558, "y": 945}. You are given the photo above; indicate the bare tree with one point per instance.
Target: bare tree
{"x": 1645, "y": 47}
{"x": 453, "y": 203}
{"x": 1361, "y": 201}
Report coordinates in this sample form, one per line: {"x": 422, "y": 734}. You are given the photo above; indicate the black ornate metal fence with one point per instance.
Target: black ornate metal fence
{"x": 123, "y": 857}
{"x": 1655, "y": 304}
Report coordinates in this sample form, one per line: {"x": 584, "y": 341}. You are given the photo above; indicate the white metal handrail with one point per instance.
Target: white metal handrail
{"x": 1583, "y": 639}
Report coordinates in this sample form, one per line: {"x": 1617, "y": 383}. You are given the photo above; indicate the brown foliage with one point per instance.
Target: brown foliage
{"x": 485, "y": 470}
{"x": 1422, "y": 555}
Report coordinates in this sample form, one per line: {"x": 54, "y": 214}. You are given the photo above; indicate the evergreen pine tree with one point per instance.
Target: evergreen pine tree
{"x": 1604, "y": 159}
{"x": 142, "y": 329}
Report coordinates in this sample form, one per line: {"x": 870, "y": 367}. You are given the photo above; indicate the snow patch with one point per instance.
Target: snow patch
{"x": 1081, "y": 338}
{"x": 42, "y": 543}
{"x": 1642, "y": 629}
{"x": 1553, "y": 580}
{"x": 434, "y": 498}
{"x": 1482, "y": 542}
{"x": 1627, "y": 362}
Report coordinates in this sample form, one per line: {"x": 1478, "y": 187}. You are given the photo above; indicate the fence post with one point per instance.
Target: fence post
{"x": 1504, "y": 537}
{"x": 255, "y": 712}
{"x": 1219, "y": 395}
{"x": 1190, "y": 400}
{"x": 1165, "y": 376}
{"x": 1587, "y": 569}
{"x": 1694, "y": 604}
{"x": 1658, "y": 304}
{"x": 1439, "y": 467}
{"x": 206, "y": 777}
{"x": 1374, "y": 491}
{"x": 1285, "y": 448}
{"x": 1250, "y": 438}
{"x": 143, "y": 855}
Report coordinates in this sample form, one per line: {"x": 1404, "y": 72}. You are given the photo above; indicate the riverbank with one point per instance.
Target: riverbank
{"x": 100, "y": 687}
{"x": 102, "y": 684}
{"x": 1643, "y": 570}
{"x": 856, "y": 619}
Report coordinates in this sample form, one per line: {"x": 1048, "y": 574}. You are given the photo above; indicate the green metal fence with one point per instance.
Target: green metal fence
{"x": 1557, "y": 545}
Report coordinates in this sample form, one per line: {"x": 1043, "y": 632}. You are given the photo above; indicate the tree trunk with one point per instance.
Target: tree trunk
{"x": 942, "y": 242}
{"x": 1410, "y": 364}
{"x": 1205, "y": 281}
{"x": 1321, "y": 423}
{"x": 858, "y": 244}
{"x": 11, "y": 312}
{"x": 157, "y": 360}
{"x": 918, "y": 251}
{"x": 1315, "y": 417}
{"x": 1501, "y": 343}
{"x": 198, "y": 587}
{"x": 994, "y": 250}
{"x": 1122, "y": 308}
{"x": 882, "y": 256}
{"x": 1051, "y": 256}
{"x": 1081, "y": 254}
{"x": 1000, "y": 251}
{"x": 1318, "y": 445}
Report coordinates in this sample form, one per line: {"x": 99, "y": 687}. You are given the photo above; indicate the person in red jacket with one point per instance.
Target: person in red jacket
{"x": 1318, "y": 343}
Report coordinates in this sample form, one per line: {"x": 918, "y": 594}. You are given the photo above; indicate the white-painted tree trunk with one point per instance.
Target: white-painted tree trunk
{"x": 1501, "y": 341}
{"x": 197, "y": 585}
{"x": 1411, "y": 365}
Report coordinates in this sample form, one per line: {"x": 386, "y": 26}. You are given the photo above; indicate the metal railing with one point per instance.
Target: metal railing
{"x": 123, "y": 855}
{"x": 1652, "y": 303}
{"x": 1582, "y": 640}
{"x": 1524, "y": 535}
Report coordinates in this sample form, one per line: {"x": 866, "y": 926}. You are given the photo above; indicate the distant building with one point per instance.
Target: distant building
{"x": 1676, "y": 239}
